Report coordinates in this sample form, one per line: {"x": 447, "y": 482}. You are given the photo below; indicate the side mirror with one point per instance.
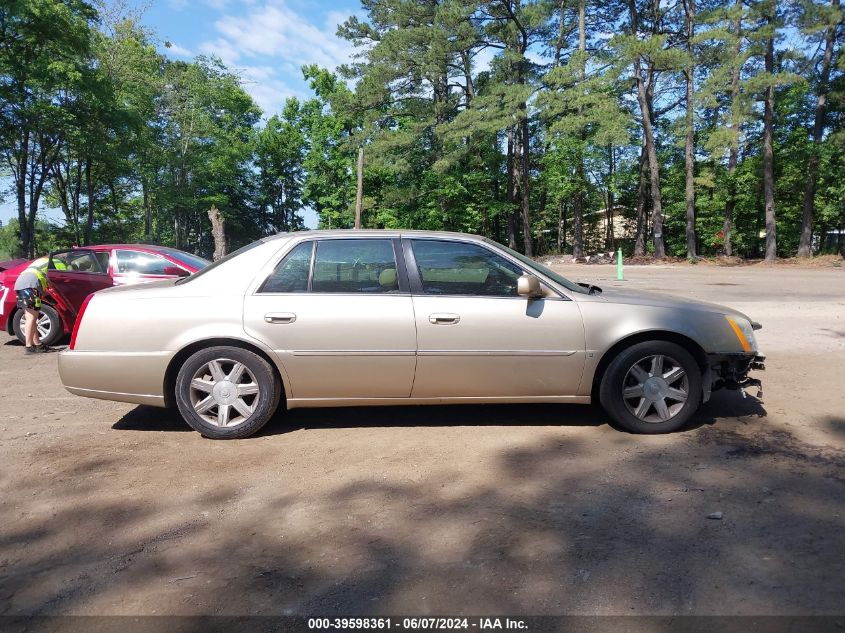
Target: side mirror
{"x": 176, "y": 271}
{"x": 529, "y": 286}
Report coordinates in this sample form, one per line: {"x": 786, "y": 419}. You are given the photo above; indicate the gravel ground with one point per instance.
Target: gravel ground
{"x": 107, "y": 508}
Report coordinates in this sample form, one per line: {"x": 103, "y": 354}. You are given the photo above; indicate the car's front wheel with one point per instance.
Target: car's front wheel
{"x": 652, "y": 387}
{"x": 49, "y": 325}
{"x": 227, "y": 392}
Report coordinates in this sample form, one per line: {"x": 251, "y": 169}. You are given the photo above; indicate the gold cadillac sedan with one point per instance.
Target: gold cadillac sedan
{"x": 341, "y": 318}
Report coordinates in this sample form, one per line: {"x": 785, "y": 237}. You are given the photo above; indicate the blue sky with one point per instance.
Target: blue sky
{"x": 265, "y": 41}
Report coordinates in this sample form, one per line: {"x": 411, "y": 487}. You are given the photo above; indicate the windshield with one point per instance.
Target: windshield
{"x": 192, "y": 261}
{"x": 538, "y": 267}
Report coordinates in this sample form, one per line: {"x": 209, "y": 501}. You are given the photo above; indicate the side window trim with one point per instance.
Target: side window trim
{"x": 413, "y": 270}
{"x": 415, "y": 278}
{"x": 259, "y": 290}
{"x": 401, "y": 268}
{"x": 309, "y": 287}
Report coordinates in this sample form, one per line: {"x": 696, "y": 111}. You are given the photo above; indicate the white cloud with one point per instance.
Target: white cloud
{"x": 267, "y": 88}
{"x": 178, "y": 51}
{"x": 269, "y": 42}
{"x": 223, "y": 49}
{"x": 273, "y": 29}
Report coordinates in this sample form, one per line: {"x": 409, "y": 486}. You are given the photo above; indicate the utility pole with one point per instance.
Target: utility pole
{"x": 359, "y": 198}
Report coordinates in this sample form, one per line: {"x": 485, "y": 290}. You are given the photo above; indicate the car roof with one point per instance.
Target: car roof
{"x": 145, "y": 247}
{"x": 372, "y": 233}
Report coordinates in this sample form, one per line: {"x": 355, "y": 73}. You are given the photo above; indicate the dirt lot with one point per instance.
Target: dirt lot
{"x": 114, "y": 509}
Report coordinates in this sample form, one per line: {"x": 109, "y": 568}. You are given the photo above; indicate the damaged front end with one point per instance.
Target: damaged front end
{"x": 730, "y": 371}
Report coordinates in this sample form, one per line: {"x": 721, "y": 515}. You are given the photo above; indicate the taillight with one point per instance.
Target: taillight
{"x": 79, "y": 320}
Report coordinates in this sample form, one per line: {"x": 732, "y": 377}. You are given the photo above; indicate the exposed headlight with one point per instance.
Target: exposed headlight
{"x": 744, "y": 333}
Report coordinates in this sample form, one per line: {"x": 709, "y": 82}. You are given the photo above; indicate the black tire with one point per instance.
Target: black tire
{"x": 56, "y": 328}
{"x": 621, "y": 377}
{"x": 257, "y": 372}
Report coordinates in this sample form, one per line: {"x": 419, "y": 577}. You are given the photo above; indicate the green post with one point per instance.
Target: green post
{"x": 619, "y": 276}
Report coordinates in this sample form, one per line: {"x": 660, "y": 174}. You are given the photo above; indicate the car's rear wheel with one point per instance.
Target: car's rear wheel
{"x": 227, "y": 392}
{"x": 652, "y": 387}
{"x": 49, "y": 325}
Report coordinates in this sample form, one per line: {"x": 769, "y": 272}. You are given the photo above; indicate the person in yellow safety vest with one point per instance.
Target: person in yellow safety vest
{"x": 29, "y": 288}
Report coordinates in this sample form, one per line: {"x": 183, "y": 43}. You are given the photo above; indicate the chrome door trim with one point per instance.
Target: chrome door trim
{"x": 349, "y": 352}
{"x": 495, "y": 352}
{"x": 297, "y": 403}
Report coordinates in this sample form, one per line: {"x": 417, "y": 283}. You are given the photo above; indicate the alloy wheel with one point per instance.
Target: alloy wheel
{"x": 655, "y": 388}
{"x": 43, "y": 325}
{"x": 224, "y": 392}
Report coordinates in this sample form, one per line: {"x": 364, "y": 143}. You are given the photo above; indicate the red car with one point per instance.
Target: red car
{"x": 77, "y": 272}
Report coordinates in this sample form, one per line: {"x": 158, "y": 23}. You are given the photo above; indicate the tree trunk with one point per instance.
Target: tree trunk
{"x": 25, "y": 246}
{"x": 359, "y": 195}
{"x": 643, "y": 88}
{"x": 77, "y": 196}
{"x": 148, "y": 213}
{"x": 511, "y": 199}
{"x": 733, "y": 157}
{"x": 642, "y": 192}
{"x": 689, "y": 150}
{"x": 768, "y": 134}
{"x": 560, "y": 226}
{"x": 469, "y": 87}
{"x": 805, "y": 243}
{"x": 89, "y": 185}
{"x": 578, "y": 210}
{"x": 41, "y": 166}
{"x": 560, "y": 31}
{"x": 610, "y": 233}
{"x": 525, "y": 189}
{"x": 654, "y": 178}
{"x": 218, "y": 232}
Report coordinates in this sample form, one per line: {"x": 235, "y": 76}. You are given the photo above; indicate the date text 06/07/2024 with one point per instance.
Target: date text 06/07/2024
{"x": 417, "y": 623}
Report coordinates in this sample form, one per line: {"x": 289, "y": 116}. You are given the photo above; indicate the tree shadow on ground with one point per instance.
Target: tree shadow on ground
{"x": 561, "y": 524}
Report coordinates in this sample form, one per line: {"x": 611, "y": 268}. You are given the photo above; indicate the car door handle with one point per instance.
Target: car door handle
{"x": 280, "y": 317}
{"x": 443, "y": 318}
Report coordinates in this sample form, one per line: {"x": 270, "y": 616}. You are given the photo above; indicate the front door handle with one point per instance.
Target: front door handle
{"x": 280, "y": 317}
{"x": 443, "y": 318}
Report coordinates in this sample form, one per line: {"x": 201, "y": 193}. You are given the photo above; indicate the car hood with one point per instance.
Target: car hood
{"x": 660, "y": 300}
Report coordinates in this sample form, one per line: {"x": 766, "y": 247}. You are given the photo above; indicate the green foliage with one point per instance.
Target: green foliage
{"x": 131, "y": 146}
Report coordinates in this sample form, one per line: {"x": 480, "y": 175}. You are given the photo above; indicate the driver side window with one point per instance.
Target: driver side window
{"x": 459, "y": 268}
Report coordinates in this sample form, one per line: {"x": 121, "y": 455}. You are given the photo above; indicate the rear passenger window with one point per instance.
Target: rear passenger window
{"x": 291, "y": 275}
{"x": 357, "y": 265}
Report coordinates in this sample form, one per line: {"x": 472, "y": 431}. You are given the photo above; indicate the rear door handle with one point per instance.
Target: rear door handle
{"x": 280, "y": 317}
{"x": 443, "y": 318}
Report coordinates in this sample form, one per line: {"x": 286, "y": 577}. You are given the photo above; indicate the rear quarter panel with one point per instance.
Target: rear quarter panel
{"x": 134, "y": 332}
